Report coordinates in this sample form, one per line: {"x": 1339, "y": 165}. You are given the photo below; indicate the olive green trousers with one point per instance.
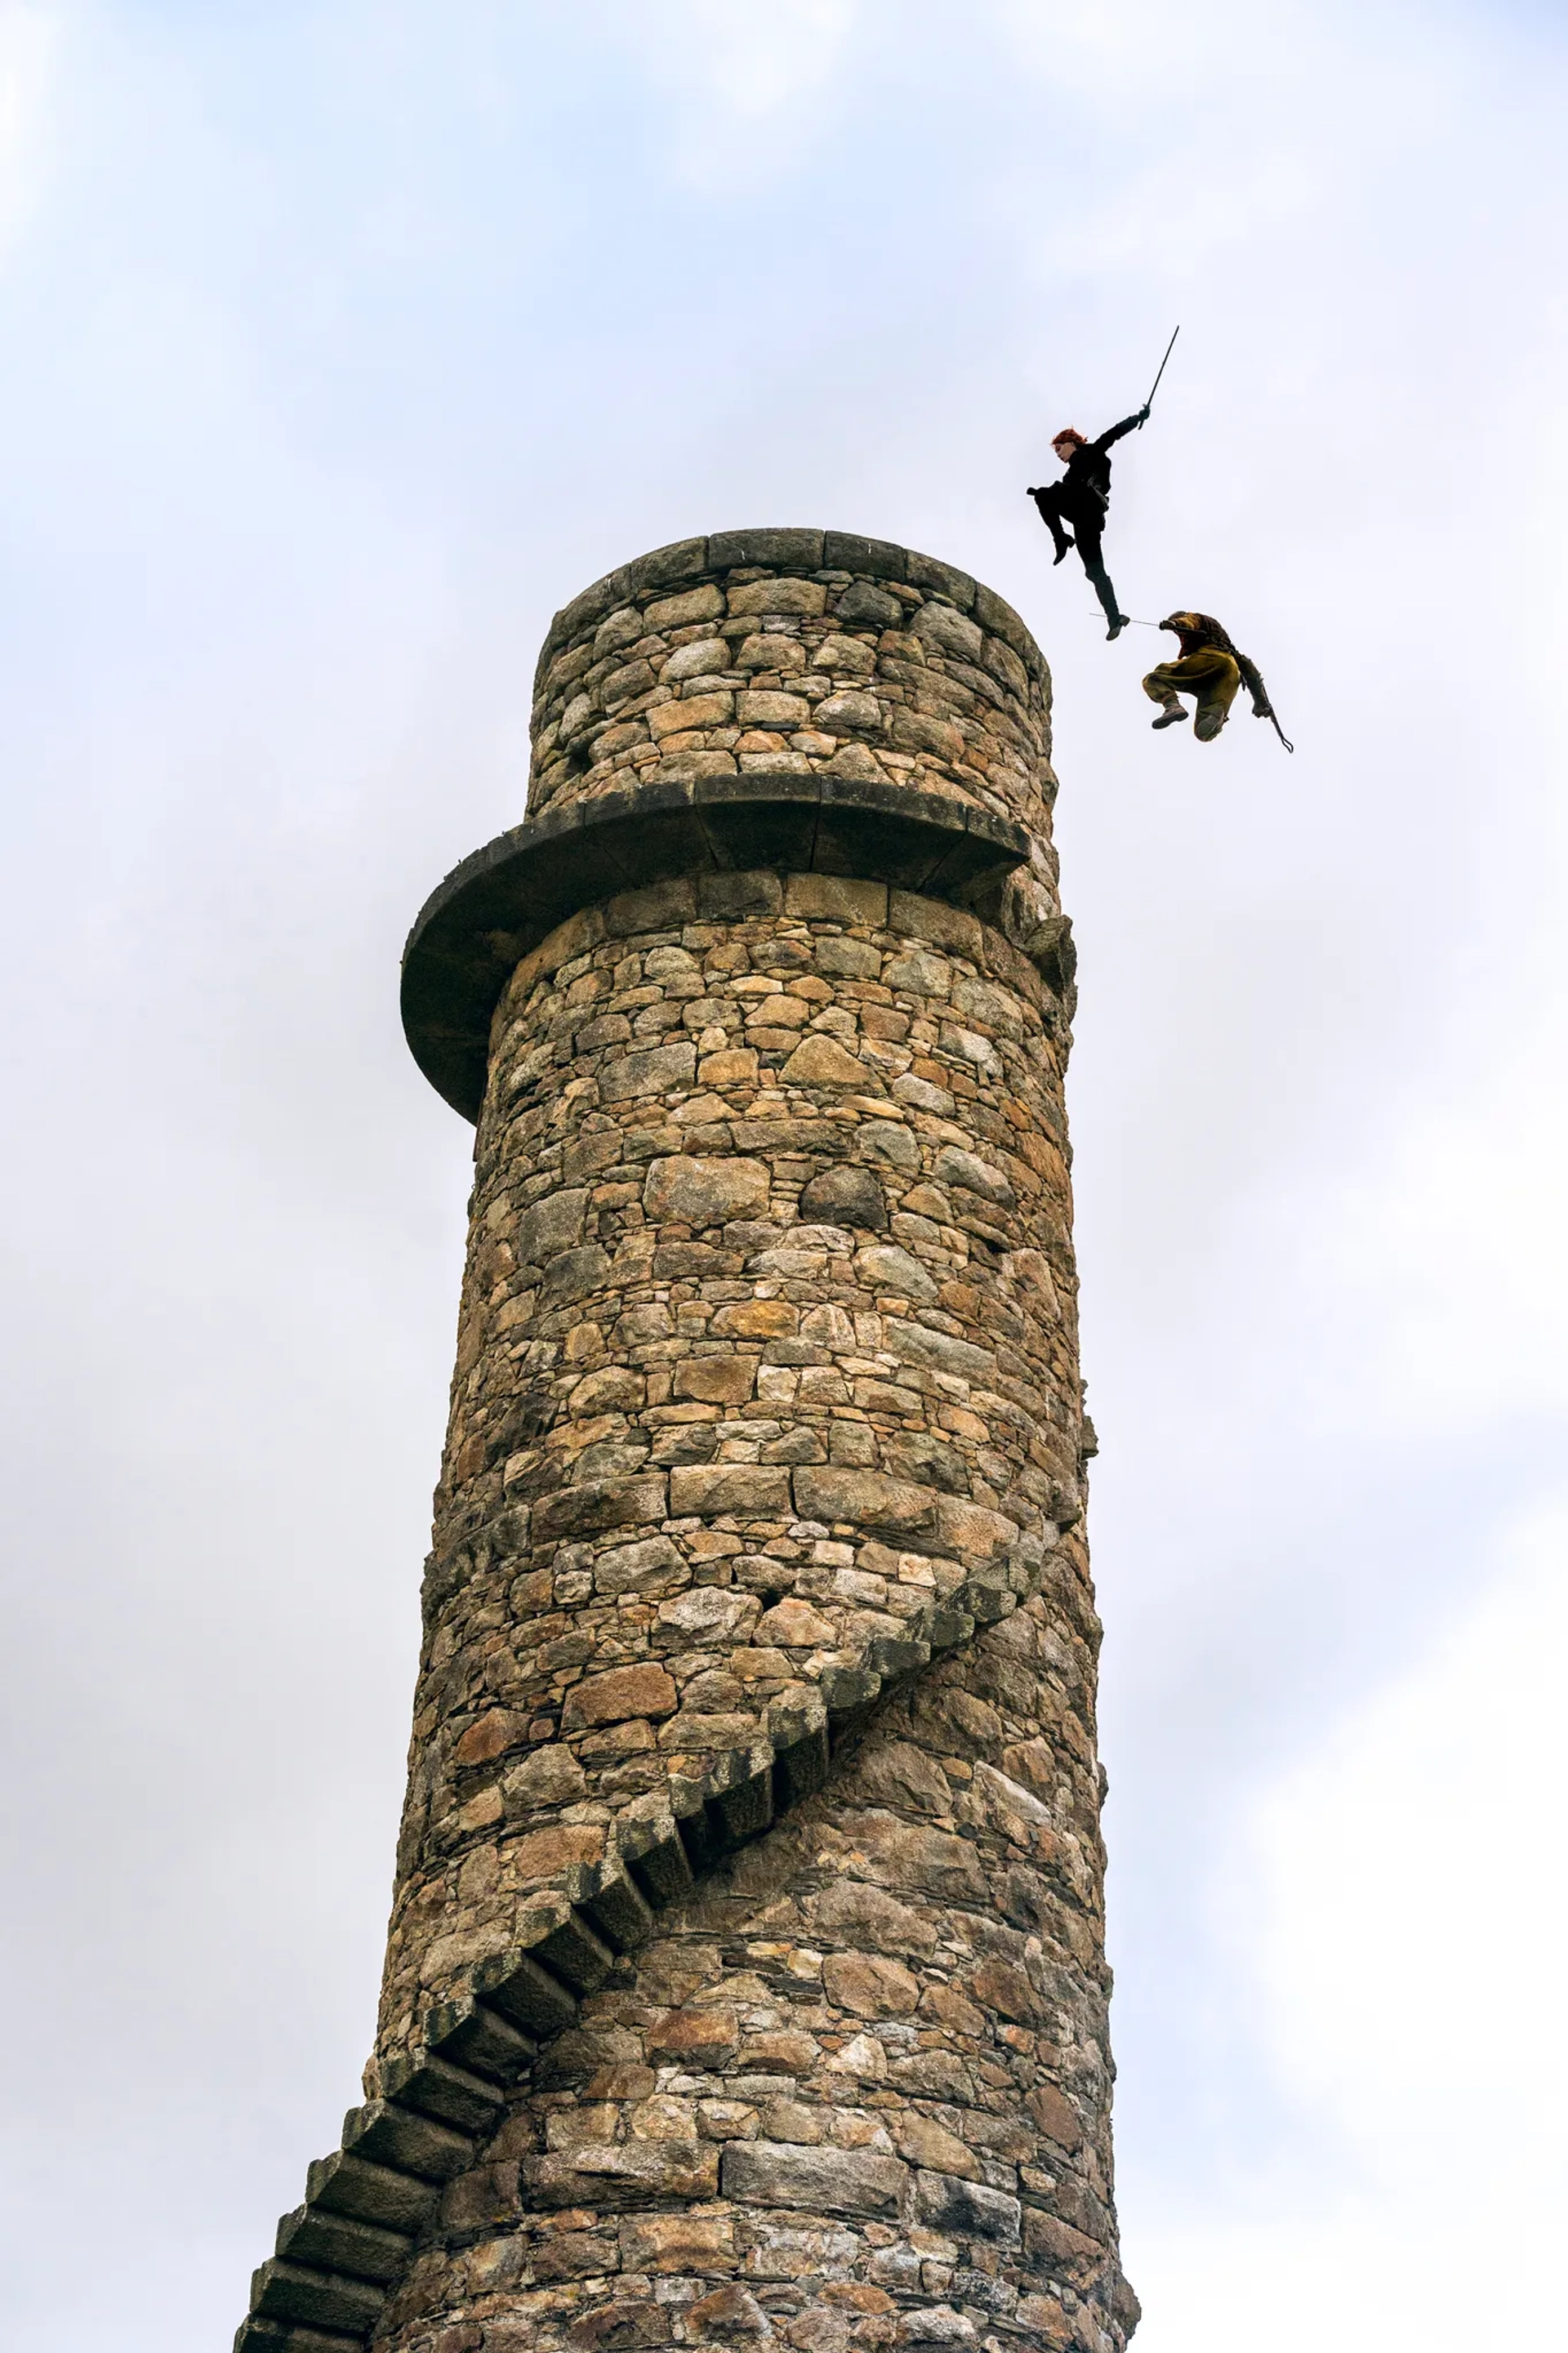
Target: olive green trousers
{"x": 1211, "y": 676}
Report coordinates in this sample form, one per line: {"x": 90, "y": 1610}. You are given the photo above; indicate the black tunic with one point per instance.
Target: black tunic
{"x": 1085, "y": 487}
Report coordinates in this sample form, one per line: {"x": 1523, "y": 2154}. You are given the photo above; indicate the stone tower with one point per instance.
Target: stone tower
{"x": 745, "y": 1983}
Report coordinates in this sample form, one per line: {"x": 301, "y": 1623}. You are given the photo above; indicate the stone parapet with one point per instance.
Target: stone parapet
{"x": 794, "y": 653}
{"x": 745, "y": 1975}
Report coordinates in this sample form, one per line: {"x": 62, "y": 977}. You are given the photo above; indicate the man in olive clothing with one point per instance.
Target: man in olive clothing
{"x": 1082, "y": 498}
{"x": 1209, "y": 669}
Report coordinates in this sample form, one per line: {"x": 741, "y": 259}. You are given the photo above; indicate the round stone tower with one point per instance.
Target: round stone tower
{"x": 745, "y": 1982}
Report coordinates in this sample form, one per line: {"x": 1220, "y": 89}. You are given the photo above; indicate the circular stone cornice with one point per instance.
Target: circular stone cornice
{"x": 477, "y": 925}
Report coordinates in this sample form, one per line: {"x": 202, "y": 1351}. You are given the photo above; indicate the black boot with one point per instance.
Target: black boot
{"x": 1113, "y": 613}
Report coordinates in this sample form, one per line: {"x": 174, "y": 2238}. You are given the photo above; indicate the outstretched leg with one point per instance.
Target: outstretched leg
{"x": 1210, "y": 676}
{"x": 1094, "y": 564}
{"x": 1160, "y": 687}
{"x": 1215, "y": 695}
{"x": 1045, "y": 500}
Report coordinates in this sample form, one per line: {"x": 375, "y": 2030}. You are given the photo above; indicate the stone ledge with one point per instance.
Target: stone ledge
{"x": 498, "y": 905}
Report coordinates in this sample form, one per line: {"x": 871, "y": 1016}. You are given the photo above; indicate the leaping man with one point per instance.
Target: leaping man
{"x": 1211, "y": 671}
{"x": 1082, "y": 499}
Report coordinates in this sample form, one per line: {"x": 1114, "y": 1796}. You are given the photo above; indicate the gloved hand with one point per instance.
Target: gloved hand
{"x": 1143, "y": 416}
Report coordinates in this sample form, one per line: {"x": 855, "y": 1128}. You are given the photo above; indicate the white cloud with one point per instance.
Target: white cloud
{"x": 28, "y": 43}
{"x": 734, "y": 76}
{"x": 1407, "y": 1969}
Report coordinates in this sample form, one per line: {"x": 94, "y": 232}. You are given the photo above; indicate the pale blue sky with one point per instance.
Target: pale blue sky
{"x": 345, "y": 342}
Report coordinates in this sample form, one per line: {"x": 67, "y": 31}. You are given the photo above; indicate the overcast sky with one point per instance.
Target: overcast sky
{"x": 346, "y": 339}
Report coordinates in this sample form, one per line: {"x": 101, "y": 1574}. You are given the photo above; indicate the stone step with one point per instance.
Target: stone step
{"x": 561, "y": 1941}
{"x": 285, "y": 2291}
{"x": 365, "y": 2204}
{"x": 891, "y": 1657}
{"x": 257, "y": 2335}
{"x": 613, "y": 1902}
{"x": 333, "y": 2242}
{"x": 435, "y": 2088}
{"x": 377, "y": 2194}
{"x": 387, "y": 2134}
{"x": 470, "y": 2034}
{"x": 653, "y": 1851}
{"x": 528, "y": 1996}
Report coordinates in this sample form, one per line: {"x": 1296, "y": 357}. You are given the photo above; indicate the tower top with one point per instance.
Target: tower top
{"x": 802, "y": 698}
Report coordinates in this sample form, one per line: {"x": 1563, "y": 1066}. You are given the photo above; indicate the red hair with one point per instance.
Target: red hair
{"x": 1070, "y": 433}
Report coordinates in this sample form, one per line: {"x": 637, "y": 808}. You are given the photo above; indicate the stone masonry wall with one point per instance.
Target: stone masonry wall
{"x": 745, "y": 1979}
{"x": 768, "y": 1342}
{"x": 833, "y": 656}
{"x": 763, "y": 1348}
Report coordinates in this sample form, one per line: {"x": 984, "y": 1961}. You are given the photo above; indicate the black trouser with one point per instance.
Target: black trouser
{"x": 1088, "y": 525}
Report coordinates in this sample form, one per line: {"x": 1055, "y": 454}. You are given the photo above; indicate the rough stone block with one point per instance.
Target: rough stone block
{"x": 994, "y": 614}
{"x": 608, "y": 2328}
{"x": 598, "y": 1506}
{"x": 766, "y": 708}
{"x": 694, "y": 711}
{"x": 692, "y": 2038}
{"x": 257, "y": 2335}
{"x": 916, "y": 1344}
{"x": 852, "y": 712}
{"x": 845, "y": 551}
{"x": 867, "y": 1499}
{"x": 973, "y": 1534}
{"x": 704, "y": 604}
{"x": 655, "y": 907}
{"x": 282, "y": 2291}
{"x": 703, "y": 658}
{"x": 971, "y": 1174}
{"x": 621, "y": 2174}
{"x": 332, "y": 2242}
{"x": 755, "y": 1319}
{"x": 946, "y": 2201}
{"x": 645, "y": 1568}
{"x": 438, "y": 2089}
{"x": 622, "y": 1693}
{"x": 883, "y": 1266}
{"x": 652, "y": 1071}
{"x": 702, "y": 1192}
{"x": 821, "y": 1061}
{"x": 384, "y": 2133}
{"x": 1073, "y": 2256}
{"x": 868, "y": 1986}
{"x": 340, "y": 2184}
{"x": 787, "y": 548}
{"x": 836, "y": 898}
{"x": 941, "y": 579}
{"x": 477, "y": 2037}
{"x": 715, "y": 1381}
{"x": 748, "y": 1490}
{"x": 817, "y": 2180}
{"x": 728, "y": 898}
{"x": 793, "y": 1624}
{"x": 678, "y": 560}
{"x": 943, "y": 631}
{"x": 698, "y": 2244}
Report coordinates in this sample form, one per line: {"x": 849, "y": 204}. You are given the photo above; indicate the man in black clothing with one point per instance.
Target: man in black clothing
{"x": 1081, "y": 499}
